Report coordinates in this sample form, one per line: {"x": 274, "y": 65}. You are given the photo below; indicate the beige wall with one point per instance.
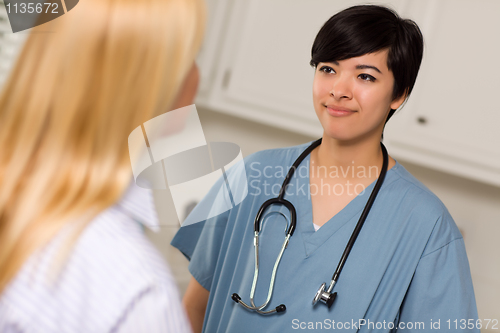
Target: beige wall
{"x": 474, "y": 206}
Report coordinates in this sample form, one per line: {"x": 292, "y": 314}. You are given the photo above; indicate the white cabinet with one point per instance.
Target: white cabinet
{"x": 256, "y": 59}
{"x": 217, "y": 17}
{"x": 452, "y": 119}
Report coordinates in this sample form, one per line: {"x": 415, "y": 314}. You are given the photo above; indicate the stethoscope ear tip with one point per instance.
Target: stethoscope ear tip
{"x": 235, "y": 297}
{"x": 281, "y": 308}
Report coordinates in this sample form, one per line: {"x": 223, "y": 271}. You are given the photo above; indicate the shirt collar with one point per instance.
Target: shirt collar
{"x": 138, "y": 204}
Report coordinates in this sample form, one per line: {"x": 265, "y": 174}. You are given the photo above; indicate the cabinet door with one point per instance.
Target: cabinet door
{"x": 451, "y": 121}
{"x": 263, "y": 73}
{"x": 215, "y": 27}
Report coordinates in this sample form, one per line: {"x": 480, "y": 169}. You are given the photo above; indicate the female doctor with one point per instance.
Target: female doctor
{"x": 407, "y": 269}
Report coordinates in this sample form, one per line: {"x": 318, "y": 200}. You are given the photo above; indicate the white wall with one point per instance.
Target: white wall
{"x": 474, "y": 206}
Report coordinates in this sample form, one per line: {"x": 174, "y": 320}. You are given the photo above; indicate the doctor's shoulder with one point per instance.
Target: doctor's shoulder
{"x": 273, "y": 163}
{"x": 427, "y": 210}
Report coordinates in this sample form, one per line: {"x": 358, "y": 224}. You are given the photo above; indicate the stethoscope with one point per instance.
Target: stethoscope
{"x": 322, "y": 295}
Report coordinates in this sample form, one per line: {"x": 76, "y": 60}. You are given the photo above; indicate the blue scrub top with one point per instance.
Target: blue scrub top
{"x": 408, "y": 270}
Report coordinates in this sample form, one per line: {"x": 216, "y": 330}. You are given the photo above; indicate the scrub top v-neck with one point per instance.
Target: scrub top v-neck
{"x": 313, "y": 239}
{"x": 408, "y": 252}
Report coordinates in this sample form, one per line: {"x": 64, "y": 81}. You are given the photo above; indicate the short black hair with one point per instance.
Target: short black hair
{"x": 364, "y": 29}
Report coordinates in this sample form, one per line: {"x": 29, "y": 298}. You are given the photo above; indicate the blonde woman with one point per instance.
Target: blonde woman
{"x": 73, "y": 257}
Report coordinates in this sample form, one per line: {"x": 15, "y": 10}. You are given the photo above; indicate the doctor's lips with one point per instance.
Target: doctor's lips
{"x": 337, "y": 111}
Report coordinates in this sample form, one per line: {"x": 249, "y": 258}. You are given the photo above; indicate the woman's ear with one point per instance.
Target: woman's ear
{"x": 187, "y": 91}
{"x": 396, "y": 103}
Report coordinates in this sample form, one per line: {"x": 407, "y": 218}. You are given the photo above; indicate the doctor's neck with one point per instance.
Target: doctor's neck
{"x": 343, "y": 154}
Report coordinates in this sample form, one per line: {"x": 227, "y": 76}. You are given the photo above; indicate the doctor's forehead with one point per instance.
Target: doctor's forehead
{"x": 376, "y": 61}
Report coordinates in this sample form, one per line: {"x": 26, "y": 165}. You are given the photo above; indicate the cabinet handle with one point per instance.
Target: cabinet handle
{"x": 226, "y": 78}
{"x": 422, "y": 120}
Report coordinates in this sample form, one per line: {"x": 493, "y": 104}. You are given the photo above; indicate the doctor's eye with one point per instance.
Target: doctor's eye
{"x": 367, "y": 77}
{"x": 327, "y": 70}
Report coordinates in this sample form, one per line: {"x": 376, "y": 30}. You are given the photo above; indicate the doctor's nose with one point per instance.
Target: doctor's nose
{"x": 341, "y": 89}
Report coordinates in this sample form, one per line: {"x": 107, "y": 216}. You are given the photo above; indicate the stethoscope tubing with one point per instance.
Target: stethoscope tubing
{"x": 280, "y": 199}
{"x": 273, "y": 201}
{"x": 296, "y": 164}
{"x": 363, "y": 216}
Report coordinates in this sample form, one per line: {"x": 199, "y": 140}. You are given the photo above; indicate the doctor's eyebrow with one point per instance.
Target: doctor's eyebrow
{"x": 336, "y": 63}
{"x": 368, "y": 66}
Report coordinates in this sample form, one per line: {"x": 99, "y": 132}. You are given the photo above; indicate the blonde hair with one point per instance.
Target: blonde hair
{"x": 81, "y": 84}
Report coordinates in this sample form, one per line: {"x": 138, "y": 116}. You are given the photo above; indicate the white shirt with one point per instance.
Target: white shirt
{"x": 114, "y": 280}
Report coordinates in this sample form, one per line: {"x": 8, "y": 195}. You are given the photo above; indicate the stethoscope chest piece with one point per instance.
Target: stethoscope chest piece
{"x": 324, "y": 296}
